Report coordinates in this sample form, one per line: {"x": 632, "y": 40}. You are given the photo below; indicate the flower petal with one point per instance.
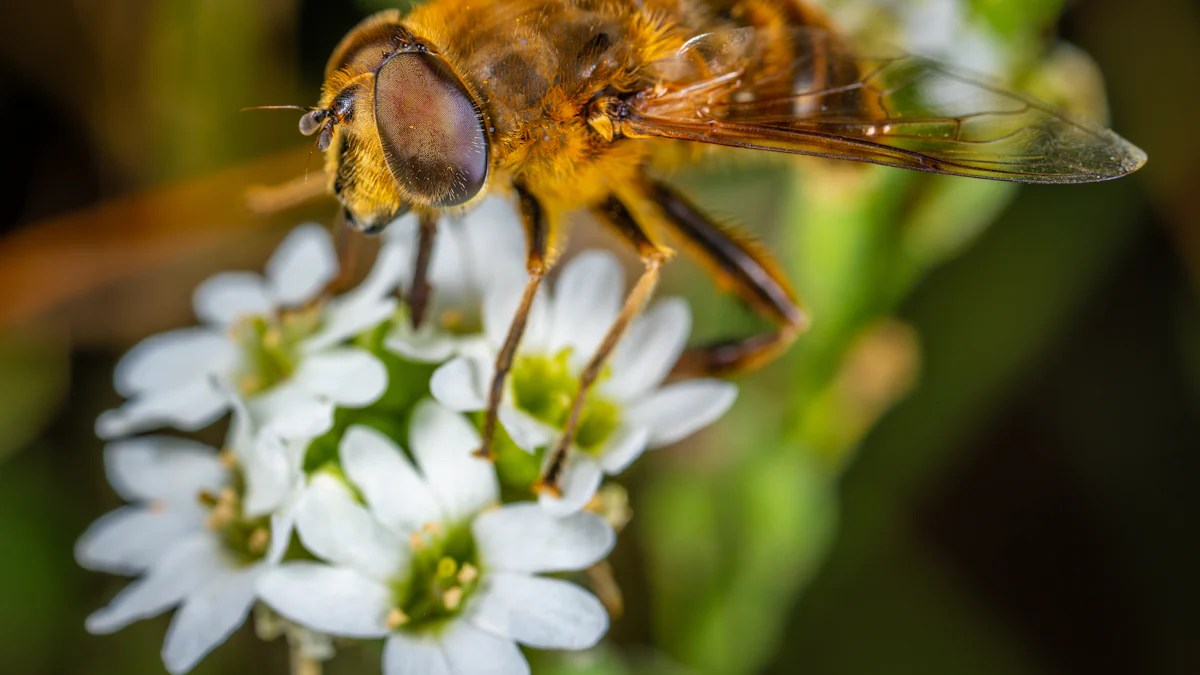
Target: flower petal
{"x": 303, "y": 265}
{"x": 500, "y": 303}
{"x": 132, "y": 538}
{"x": 459, "y": 385}
{"x": 587, "y": 297}
{"x": 226, "y": 297}
{"x": 188, "y": 566}
{"x": 527, "y": 432}
{"x": 348, "y": 376}
{"x": 426, "y": 345}
{"x": 626, "y": 445}
{"x": 648, "y": 352}
{"x": 471, "y": 651}
{"x": 190, "y": 406}
{"x": 393, "y": 265}
{"x": 525, "y": 538}
{"x": 443, "y": 443}
{"x": 272, "y": 471}
{"x": 282, "y": 526}
{"x": 580, "y": 480}
{"x": 539, "y": 612}
{"x": 401, "y": 233}
{"x": 397, "y": 495}
{"x": 290, "y": 412}
{"x": 461, "y": 649}
{"x": 335, "y": 527}
{"x": 348, "y": 317}
{"x": 679, "y": 410}
{"x": 334, "y": 600}
{"x": 166, "y": 360}
{"x": 405, "y": 654}
{"x": 163, "y": 468}
{"x": 208, "y": 617}
{"x": 492, "y": 238}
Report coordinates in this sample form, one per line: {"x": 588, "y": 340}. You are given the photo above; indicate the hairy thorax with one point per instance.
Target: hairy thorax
{"x": 536, "y": 67}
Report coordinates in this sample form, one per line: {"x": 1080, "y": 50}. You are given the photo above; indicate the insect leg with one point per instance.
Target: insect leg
{"x": 418, "y": 297}
{"x": 537, "y": 263}
{"x": 270, "y": 199}
{"x": 347, "y": 240}
{"x": 617, "y": 215}
{"x": 749, "y": 272}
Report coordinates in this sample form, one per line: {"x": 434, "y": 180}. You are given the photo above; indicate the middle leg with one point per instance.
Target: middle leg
{"x": 747, "y": 270}
{"x": 618, "y": 216}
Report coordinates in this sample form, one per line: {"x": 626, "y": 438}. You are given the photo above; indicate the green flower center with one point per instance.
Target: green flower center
{"x": 271, "y": 346}
{"x": 247, "y": 539}
{"x": 444, "y": 573}
{"x": 545, "y": 386}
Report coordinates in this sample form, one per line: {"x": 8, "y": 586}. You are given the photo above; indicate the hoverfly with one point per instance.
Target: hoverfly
{"x": 574, "y": 104}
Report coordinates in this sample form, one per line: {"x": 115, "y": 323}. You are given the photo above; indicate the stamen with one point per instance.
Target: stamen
{"x": 221, "y": 516}
{"x": 259, "y": 539}
{"x": 415, "y": 541}
{"x": 467, "y": 574}
{"x": 453, "y": 598}
{"x": 250, "y": 384}
{"x": 206, "y": 498}
{"x": 432, "y": 528}
{"x": 228, "y": 496}
{"x": 452, "y": 320}
{"x": 396, "y": 618}
{"x": 227, "y": 458}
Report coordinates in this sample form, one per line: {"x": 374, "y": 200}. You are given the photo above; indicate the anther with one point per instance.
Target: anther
{"x": 452, "y": 320}
{"x": 259, "y": 539}
{"x": 452, "y": 598}
{"x": 415, "y": 541}
{"x": 467, "y": 574}
{"x": 221, "y": 515}
{"x": 250, "y": 384}
{"x": 396, "y": 618}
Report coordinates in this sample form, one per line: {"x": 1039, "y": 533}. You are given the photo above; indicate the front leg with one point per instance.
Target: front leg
{"x": 537, "y": 263}
{"x": 347, "y": 240}
{"x": 418, "y": 296}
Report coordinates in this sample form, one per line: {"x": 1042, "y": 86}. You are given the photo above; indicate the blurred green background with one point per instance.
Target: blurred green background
{"x": 982, "y": 459}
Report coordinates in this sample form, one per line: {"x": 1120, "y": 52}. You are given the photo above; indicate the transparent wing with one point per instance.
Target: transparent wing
{"x": 899, "y": 110}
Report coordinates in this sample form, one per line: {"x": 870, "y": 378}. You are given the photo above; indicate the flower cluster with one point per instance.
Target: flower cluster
{"x": 346, "y": 501}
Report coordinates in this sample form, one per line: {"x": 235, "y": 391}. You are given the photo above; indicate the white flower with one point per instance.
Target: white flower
{"x": 266, "y": 337}
{"x": 190, "y": 537}
{"x": 469, "y": 254}
{"x": 629, "y": 407}
{"x": 429, "y": 565}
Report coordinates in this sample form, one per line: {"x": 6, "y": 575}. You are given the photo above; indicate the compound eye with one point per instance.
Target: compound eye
{"x": 431, "y": 130}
